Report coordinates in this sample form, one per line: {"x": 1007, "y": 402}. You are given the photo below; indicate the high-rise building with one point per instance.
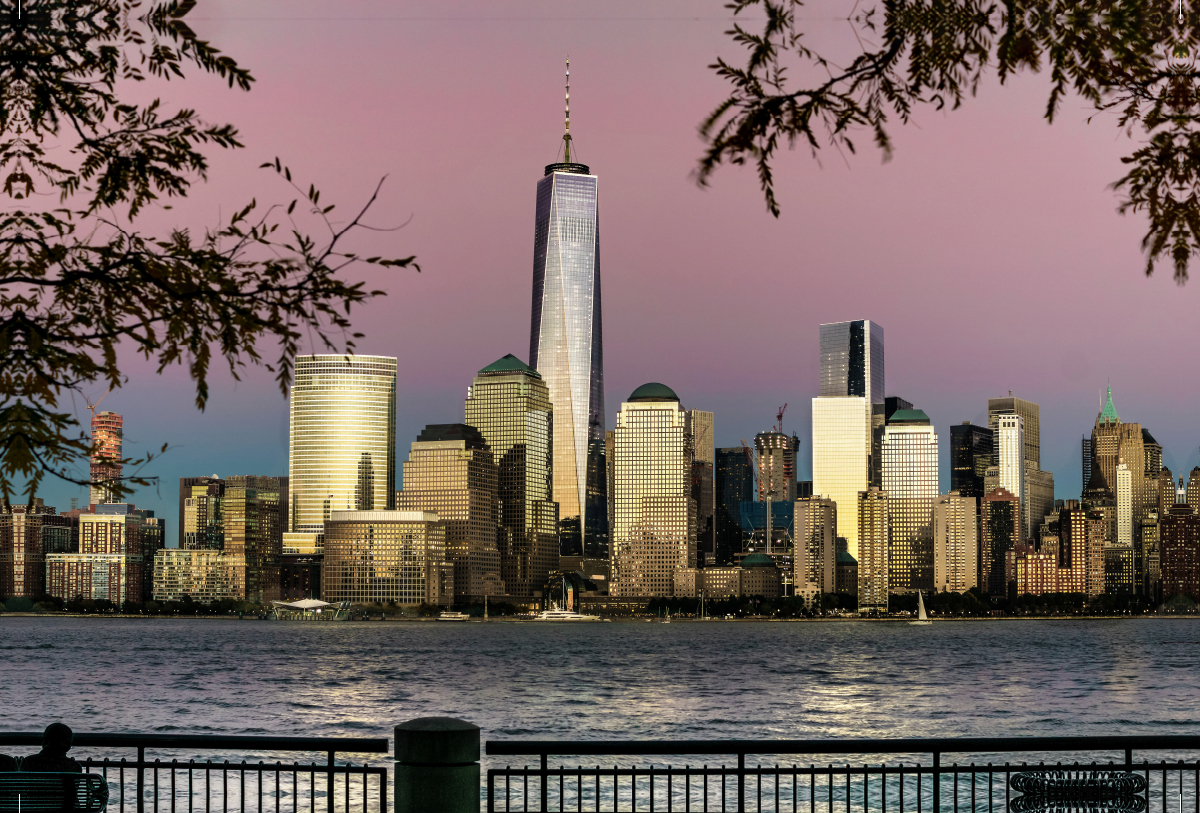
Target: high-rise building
{"x": 733, "y": 484}
{"x": 873, "y": 577}
{"x": 970, "y": 457}
{"x": 852, "y": 360}
{"x": 1086, "y": 454}
{"x": 254, "y": 520}
{"x": 202, "y": 575}
{"x": 377, "y": 557}
{"x": 28, "y": 533}
{"x": 342, "y": 451}
{"x": 1124, "y": 535}
{"x": 655, "y": 515}
{"x": 109, "y": 564}
{"x": 1119, "y": 575}
{"x": 509, "y": 404}
{"x": 566, "y": 346}
{"x": 841, "y": 441}
{"x": 1039, "y": 502}
{"x": 1030, "y": 414}
{"x": 1180, "y": 530}
{"x": 1010, "y": 446}
{"x": 955, "y": 543}
{"x": 1147, "y": 561}
{"x": 201, "y": 521}
{"x": 1115, "y": 442}
{"x": 910, "y": 479}
{"x": 1193, "y": 489}
{"x": 107, "y": 433}
{"x": 815, "y": 558}
{"x": 703, "y": 482}
{"x": 776, "y": 475}
{"x": 1080, "y": 552}
{"x": 1153, "y": 453}
{"x": 1001, "y": 529}
{"x": 451, "y": 472}
{"x": 880, "y": 415}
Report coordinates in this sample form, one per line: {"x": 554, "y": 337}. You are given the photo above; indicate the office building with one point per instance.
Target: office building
{"x": 1010, "y": 446}
{"x": 509, "y": 404}
{"x": 1148, "y": 559}
{"x": 776, "y": 475}
{"x": 733, "y": 484}
{"x": 566, "y": 346}
{"x": 342, "y": 448}
{"x": 201, "y": 524}
{"x": 1115, "y": 442}
{"x": 841, "y": 442}
{"x": 910, "y": 479}
{"x": 28, "y": 533}
{"x": 254, "y": 521}
{"x": 1040, "y": 500}
{"x": 873, "y": 576}
{"x": 381, "y": 557}
{"x": 1031, "y": 433}
{"x": 1080, "y": 550}
{"x": 1153, "y": 454}
{"x": 1119, "y": 575}
{"x": 815, "y": 547}
{"x": 1192, "y": 491}
{"x": 1036, "y": 570}
{"x": 955, "y": 543}
{"x": 852, "y": 360}
{"x": 106, "y": 467}
{"x": 703, "y": 484}
{"x": 1124, "y": 531}
{"x": 1180, "y": 531}
{"x": 846, "y": 574}
{"x": 109, "y": 564}
{"x": 202, "y": 575}
{"x": 1086, "y": 454}
{"x": 451, "y": 472}
{"x": 655, "y": 514}
{"x": 1001, "y": 529}
{"x": 970, "y": 456}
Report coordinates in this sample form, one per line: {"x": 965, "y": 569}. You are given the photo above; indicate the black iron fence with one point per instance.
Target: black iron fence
{"x": 1025, "y": 775}
{"x": 150, "y": 780}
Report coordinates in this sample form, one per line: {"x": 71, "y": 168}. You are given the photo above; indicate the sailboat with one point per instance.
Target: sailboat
{"x": 922, "y": 619}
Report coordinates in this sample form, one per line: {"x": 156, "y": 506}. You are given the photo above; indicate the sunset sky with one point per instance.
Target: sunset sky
{"x": 989, "y": 248}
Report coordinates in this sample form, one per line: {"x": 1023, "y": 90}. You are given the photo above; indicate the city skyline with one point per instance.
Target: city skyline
{"x": 703, "y": 289}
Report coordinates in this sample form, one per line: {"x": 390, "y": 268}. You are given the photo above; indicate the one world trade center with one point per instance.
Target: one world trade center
{"x": 566, "y": 345}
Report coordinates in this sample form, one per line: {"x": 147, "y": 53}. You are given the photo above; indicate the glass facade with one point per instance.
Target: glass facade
{"x": 910, "y": 478}
{"x": 509, "y": 404}
{"x": 107, "y": 434}
{"x": 566, "y": 347}
{"x": 204, "y": 575}
{"x": 841, "y": 466}
{"x": 654, "y": 532}
{"x": 852, "y": 360}
{"x": 702, "y": 482}
{"x": 733, "y": 484}
{"x": 343, "y": 417}
{"x": 970, "y": 457}
{"x": 874, "y": 582}
{"x": 1030, "y": 418}
{"x": 456, "y": 479}
{"x": 253, "y": 518}
{"x": 202, "y": 523}
{"x": 376, "y": 557}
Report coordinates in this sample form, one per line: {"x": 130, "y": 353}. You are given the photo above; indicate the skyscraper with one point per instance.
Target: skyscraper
{"x": 1031, "y": 423}
{"x": 566, "y": 345}
{"x": 776, "y": 475}
{"x": 703, "y": 482}
{"x": 253, "y": 509}
{"x": 910, "y": 479}
{"x": 1124, "y": 535}
{"x": 970, "y": 456}
{"x": 655, "y": 517}
{"x": 1001, "y": 526}
{"x": 200, "y": 523}
{"x": 107, "y": 433}
{"x": 1010, "y": 447}
{"x": 873, "y": 575}
{"x": 955, "y": 543}
{"x": 1114, "y": 442}
{"x": 342, "y": 452}
{"x": 510, "y": 406}
{"x": 733, "y": 483}
{"x": 377, "y": 557}
{"x": 451, "y": 472}
{"x": 815, "y": 558}
{"x": 852, "y": 360}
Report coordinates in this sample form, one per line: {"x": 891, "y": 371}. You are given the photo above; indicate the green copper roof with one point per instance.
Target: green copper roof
{"x": 1109, "y": 413}
{"x": 909, "y": 416}
{"x": 654, "y": 392}
{"x": 844, "y": 558}
{"x": 508, "y": 364}
{"x": 758, "y": 560}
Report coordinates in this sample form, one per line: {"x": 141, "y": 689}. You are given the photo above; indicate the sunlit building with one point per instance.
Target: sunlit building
{"x": 201, "y": 523}
{"x": 109, "y": 565}
{"x": 655, "y": 515}
{"x": 254, "y": 520}
{"x": 841, "y": 442}
{"x": 704, "y": 484}
{"x": 107, "y": 433}
{"x": 1010, "y": 449}
{"x": 955, "y": 543}
{"x": 377, "y": 557}
{"x": 873, "y": 576}
{"x": 28, "y": 533}
{"x": 202, "y": 575}
{"x": 815, "y": 546}
{"x": 910, "y": 478}
{"x": 342, "y": 451}
{"x": 509, "y": 404}
{"x": 1115, "y": 442}
{"x": 451, "y": 472}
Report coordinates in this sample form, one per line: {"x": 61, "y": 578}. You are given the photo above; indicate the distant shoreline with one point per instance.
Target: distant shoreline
{"x": 615, "y": 620}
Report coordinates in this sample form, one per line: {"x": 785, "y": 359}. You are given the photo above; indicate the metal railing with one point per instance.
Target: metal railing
{"x": 175, "y": 785}
{"x": 926, "y": 784}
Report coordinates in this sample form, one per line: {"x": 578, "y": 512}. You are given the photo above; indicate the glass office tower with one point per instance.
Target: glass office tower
{"x": 342, "y": 454}
{"x": 566, "y": 347}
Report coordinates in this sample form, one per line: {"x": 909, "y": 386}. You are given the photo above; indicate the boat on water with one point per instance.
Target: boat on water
{"x": 559, "y": 614}
{"x": 452, "y": 616}
{"x": 922, "y": 618}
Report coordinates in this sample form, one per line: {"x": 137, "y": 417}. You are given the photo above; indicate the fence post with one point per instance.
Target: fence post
{"x": 437, "y": 766}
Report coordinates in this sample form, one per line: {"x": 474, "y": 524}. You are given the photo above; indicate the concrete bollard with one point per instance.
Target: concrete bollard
{"x": 437, "y": 766}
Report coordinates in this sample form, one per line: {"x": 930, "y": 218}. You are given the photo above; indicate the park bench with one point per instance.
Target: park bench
{"x": 1099, "y": 791}
{"x": 53, "y": 793}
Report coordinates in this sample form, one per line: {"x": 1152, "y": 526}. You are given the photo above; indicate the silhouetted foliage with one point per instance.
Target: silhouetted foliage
{"x": 80, "y": 163}
{"x": 1137, "y": 59}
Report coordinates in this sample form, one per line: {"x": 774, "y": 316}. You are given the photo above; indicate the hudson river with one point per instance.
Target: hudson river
{"x": 620, "y": 680}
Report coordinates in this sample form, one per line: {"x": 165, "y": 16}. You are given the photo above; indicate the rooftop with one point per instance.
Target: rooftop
{"x": 758, "y": 560}
{"x": 653, "y": 392}
{"x": 909, "y": 416}
{"x": 1109, "y": 413}
{"x": 509, "y": 364}
{"x": 436, "y": 432}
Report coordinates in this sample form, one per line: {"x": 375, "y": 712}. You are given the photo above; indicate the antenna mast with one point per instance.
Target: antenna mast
{"x": 567, "y": 122}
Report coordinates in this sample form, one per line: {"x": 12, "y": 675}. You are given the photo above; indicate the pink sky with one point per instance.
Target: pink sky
{"x": 989, "y": 249}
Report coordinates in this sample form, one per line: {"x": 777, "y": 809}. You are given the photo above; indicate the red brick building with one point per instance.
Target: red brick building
{"x": 1180, "y": 530}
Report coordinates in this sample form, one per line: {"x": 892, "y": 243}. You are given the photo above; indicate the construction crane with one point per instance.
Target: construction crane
{"x": 779, "y": 418}
{"x": 92, "y": 407}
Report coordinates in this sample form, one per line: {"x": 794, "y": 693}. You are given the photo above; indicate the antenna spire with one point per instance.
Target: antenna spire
{"x": 567, "y": 122}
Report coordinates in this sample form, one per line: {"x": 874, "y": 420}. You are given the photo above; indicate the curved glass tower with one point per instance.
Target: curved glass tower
{"x": 342, "y": 453}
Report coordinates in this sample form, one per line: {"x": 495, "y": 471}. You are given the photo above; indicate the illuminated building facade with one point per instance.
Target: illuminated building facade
{"x": 1115, "y": 442}
{"x": 107, "y": 433}
{"x": 1180, "y": 530}
{"x": 566, "y": 346}
{"x": 703, "y": 483}
{"x": 509, "y": 404}
{"x": 28, "y": 533}
{"x": 201, "y": 523}
{"x": 376, "y": 557}
{"x": 1001, "y": 530}
{"x": 203, "y": 575}
{"x": 873, "y": 576}
{"x": 342, "y": 449}
{"x": 1010, "y": 446}
{"x": 254, "y": 520}
{"x": 955, "y": 543}
{"x": 451, "y": 472}
{"x": 109, "y": 565}
{"x": 655, "y": 514}
{"x": 776, "y": 476}
{"x": 841, "y": 439}
{"x": 815, "y": 557}
{"x": 910, "y": 479}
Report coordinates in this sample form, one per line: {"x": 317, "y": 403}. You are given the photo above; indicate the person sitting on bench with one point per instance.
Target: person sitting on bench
{"x": 56, "y": 741}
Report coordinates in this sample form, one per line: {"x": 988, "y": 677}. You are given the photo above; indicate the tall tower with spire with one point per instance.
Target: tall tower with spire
{"x": 566, "y": 344}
